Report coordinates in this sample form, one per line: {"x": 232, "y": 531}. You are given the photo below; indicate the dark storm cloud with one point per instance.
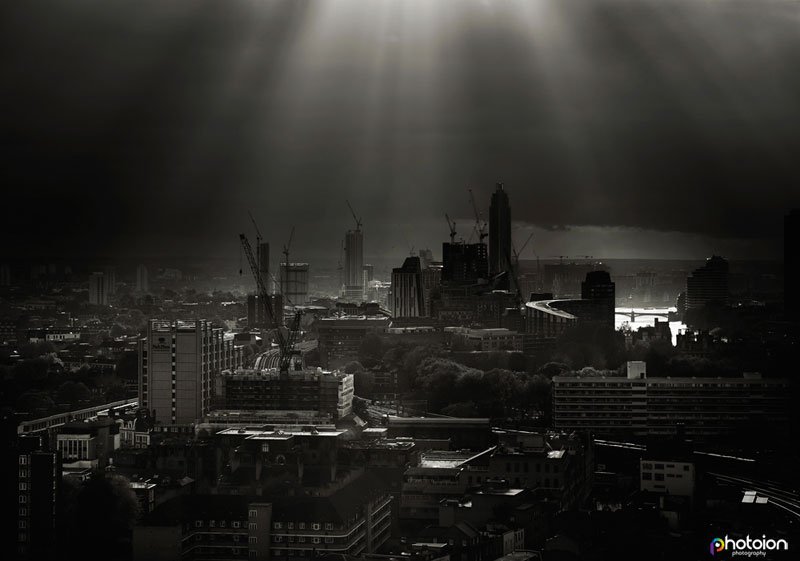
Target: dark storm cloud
{"x": 154, "y": 126}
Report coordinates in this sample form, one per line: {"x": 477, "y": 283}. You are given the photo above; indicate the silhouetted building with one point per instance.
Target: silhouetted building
{"x": 464, "y": 263}
{"x": 294, "y": 283}
{"x": 499, "y": 232}
{"x": 791, "y": 263}
{"x": 408, "y": 299}
{"x": 708, "y": 284}
{"x": 598, "y": 290}
{"x": 142, "y": 284}
{"x": 98, "y": 289}
{"x": 111, "y": 280}
{"x": 177, "y": 361}
{"x": 354, "y": 261}
{"x": 263, "y": 264}
{"x": 38, "y": 488}
{"x": 258, "y": 315}
{"x": 340, "y": 338}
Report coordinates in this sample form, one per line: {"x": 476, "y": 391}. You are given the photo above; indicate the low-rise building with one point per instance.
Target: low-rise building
{"x": 311, "y": 389}
{"x": 640, "y": 405}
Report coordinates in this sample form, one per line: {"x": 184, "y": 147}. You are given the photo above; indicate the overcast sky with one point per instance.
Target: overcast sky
{"x": 621, "y": 128}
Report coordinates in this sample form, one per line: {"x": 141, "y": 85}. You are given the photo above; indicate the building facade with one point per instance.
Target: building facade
{"x": 294, "y": 283}
{"x": 408, "y": 299}
{"x": 499, "y": 231}
{"x": 177, "y": 362}
{"x": 98, "y": 289}
{"x": 354, "y": 261}
{"x": 708, "y": 284}
{"x": 638, "y": 405}
{"x": 317, "y": 390}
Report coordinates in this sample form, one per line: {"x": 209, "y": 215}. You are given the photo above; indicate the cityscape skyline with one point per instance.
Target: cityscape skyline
{"x": 383, "y": 280}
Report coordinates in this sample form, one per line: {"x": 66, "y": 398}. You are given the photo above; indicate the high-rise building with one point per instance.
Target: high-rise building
{"x": 111, "y": 280}
{"x": 407, "y": 290}
{"x": 39, "y": 485}
{"x": 499, "y": 232}
{"x": 294, "y": 283}
{"x": 98, "y": 289}
{"x": 354, "y": 260}
{"x": 177, "y": 362}
{"x": 258, "y": 314}
{"x": 791, "y": 263}
{"x": 368, "y": 274}
{"x": 426, "y": 257}
{"x": 263, "y": 263}
{"x": 142, "y": 284}
{"x": 464, "y": 263}
{"x": 598, "y": 289}
{"x": 708, "y": 284}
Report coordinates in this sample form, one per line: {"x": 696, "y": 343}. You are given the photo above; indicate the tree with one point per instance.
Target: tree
{"x": 72, "y": 393}
{"x": 461, "y": 409}
{"x": 35, "y": 402}
{"x": 371, "y": 350}
{"x": 128, "y": 366}
{"x": 105, "y": 510}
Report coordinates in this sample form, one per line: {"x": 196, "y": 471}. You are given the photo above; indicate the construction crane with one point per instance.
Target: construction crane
{"x": 452, "y": 226}
{"x": 286, "y": 248}
{"x": 515, "y": 265}
{"x": 285, "y": 342}
{"x": 356, "y": 218}
{"x": 479, "y": 226}
{"x": 259, "y": 239}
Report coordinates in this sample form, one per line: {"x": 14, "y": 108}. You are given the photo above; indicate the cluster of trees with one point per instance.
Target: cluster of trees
{"x": 41, "y": 385}
{"x": 97, "y": 517}
{"x": 454, "y": 389}
{"x": 485, "y": 388}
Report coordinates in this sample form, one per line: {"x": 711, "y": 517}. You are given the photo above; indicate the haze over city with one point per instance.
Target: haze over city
{"x": 630, "y": 128}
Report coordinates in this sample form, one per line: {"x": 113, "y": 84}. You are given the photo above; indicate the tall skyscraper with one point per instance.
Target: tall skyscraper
{"x": 600, "y": 292}
{"x": 98, "y": 287}
{"x": 111, "y": 280}
{"x": 263, "y": 264}
{"x": 142, "y": 283}
{"x": 177, "y": 362}
{"x": 791, "y": 263}
{"x": 499, "y": 232}
{"x": 354, "y": 260}
{"x": 407, "y": 291}
{"x": 294, "y": 283}
{"x": 708, "y": 284}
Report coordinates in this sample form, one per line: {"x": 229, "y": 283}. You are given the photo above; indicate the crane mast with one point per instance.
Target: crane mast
{"x": 285, "y": 343}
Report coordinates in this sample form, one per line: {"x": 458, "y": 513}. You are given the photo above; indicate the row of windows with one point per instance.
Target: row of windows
{"x": 301, "y": 539}
{"x": 302, "y": 526}
{"x": 220, "y": 524}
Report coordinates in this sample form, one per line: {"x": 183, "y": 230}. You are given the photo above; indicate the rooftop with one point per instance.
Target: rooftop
{"x": 546, "y": 306}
